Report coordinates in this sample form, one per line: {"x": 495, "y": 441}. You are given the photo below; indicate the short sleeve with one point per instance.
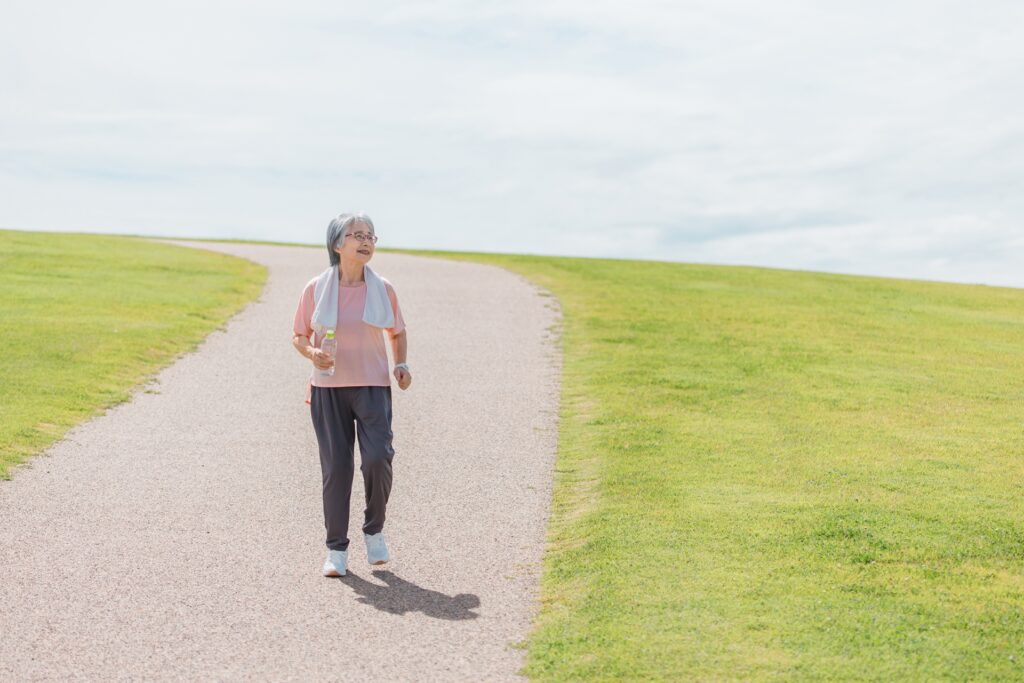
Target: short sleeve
{"x": 399, "y": 321}
{"x": 304, "y": 312}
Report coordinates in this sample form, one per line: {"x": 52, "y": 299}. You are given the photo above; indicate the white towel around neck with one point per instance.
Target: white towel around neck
{"x": 376, "y": 312}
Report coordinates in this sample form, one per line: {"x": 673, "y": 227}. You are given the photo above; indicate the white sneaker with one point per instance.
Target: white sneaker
{"x": 376, "y": 548}
{"x": 336, "y": 563}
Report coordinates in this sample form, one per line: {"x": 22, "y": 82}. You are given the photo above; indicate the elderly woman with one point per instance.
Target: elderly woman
{"x": 350, "y": 391}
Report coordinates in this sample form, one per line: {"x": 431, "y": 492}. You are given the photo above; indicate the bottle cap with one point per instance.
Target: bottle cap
{"x": 330, "y": 334}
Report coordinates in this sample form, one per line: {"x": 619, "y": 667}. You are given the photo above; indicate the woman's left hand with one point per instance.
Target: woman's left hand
{"x": 404, "y": 378}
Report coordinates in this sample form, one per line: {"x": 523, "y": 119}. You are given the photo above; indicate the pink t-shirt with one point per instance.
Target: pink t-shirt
{"x": 362, "y": 360}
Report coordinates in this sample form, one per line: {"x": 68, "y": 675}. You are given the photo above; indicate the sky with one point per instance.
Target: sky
{"x": 868, "y": 137}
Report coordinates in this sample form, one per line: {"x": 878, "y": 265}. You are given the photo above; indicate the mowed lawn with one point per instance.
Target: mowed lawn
{"x": 768, "y": 474}
{"x": 85, "y": 318}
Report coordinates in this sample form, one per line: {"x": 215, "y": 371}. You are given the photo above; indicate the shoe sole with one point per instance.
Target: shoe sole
{"x": 334, "y": 572}
{"x": 378, "y": 563}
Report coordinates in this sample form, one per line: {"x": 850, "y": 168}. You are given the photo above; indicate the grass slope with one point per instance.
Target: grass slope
{"x": 768, "y": 474}
{"x": 85, "y": 318}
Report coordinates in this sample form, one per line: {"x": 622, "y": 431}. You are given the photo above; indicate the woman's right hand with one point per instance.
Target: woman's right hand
{"x": 321, "y": 360}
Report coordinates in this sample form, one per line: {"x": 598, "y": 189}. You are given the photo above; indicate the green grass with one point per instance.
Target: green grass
{"x": 761, "y": 475}
{"x": 87, "y": 318}
{"x": 768, "y": 474}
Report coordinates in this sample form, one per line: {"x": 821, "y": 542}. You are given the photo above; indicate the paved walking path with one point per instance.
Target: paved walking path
{"x": 180, "y": 535}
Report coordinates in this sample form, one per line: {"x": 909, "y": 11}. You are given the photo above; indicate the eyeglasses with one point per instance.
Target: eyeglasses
{"x": 362, "y": 237}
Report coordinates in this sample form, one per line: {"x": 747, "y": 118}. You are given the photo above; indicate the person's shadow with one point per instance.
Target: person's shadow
{"x": 400, "y": 596}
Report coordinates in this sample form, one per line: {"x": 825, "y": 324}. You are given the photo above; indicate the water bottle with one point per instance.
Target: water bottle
{"x": 330, "y": 347}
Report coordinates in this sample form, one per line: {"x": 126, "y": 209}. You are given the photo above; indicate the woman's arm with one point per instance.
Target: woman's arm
{"x": 319, "y": 358}
{"x": 400, "y": 349}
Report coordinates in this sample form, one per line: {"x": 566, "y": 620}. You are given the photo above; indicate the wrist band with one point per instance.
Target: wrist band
{"x": 404, "y": 366}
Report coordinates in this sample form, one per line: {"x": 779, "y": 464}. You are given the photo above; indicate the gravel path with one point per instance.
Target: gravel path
{"x": 180, "y": 535}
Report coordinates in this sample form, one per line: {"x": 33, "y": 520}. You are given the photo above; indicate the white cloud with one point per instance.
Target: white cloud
{"x": 875, "y": 137}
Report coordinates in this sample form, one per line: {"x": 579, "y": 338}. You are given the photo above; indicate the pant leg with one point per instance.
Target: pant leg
{"x": 372, "y": 409}
{"x": 333, "y": 422}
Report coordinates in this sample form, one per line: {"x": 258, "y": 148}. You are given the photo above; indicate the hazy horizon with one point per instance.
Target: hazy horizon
{"x": 384, "y": 248}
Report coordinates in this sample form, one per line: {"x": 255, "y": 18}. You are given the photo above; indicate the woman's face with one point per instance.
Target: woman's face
{"x": 350, "y": 248}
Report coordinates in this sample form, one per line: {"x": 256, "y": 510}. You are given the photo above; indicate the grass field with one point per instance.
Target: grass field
{"x": 85, "y": 318}
{"x": 768, "y": 474}
{"x": 762, "y": 474}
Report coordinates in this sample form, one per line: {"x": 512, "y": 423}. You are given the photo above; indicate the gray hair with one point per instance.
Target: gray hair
{"x": 337, "y": 227}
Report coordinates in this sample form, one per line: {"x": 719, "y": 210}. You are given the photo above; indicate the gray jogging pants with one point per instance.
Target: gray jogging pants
{"x": 334, "y": 410}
